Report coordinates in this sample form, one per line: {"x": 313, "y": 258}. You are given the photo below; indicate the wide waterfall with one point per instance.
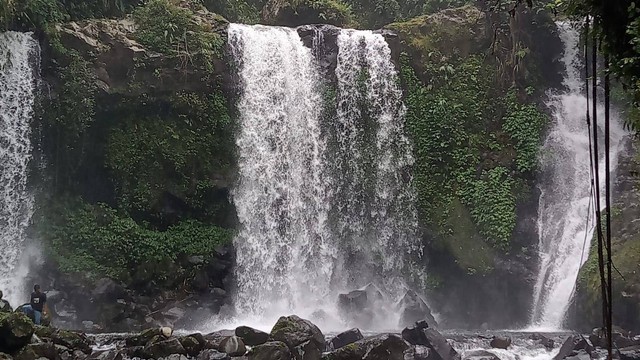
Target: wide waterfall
{"x": 17, "y": 93}
{"x": 323, "y": 185}
{"x": 566, "y": 208}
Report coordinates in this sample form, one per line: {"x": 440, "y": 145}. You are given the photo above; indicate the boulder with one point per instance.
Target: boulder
{"x": 211, "y": 354}
{"x": 379, "y": 347}
{"x": 143, "y": 337}
{"x": 580, "y": 355}
{"x": 630, "y": 353}
{"x": 345, "y": 338}
{"x": 107, "y": 289}
{"x": 418, "y": 352}
{"x": 414, "y": 334}
{"x": 480, "y": 355}
{"x": 36, "y": 351}
{"x": 192, "y": 345}
{"x": 572, "y": 345}
{"x": 500, "y": 342}
{"x": 294, "y": 331}
{"x": 308, "y": 350}
{"x": 412, "y": 308}
{"x": 232, "y": 345}
{"x": 373, "y": 293}
{"x": 164, "y": 348}
{"x": 251, "y": 336}
{"x": 272, "y": 350}
{"x": 354, "y": 302}
{"x": 104, "y": 355}
{"x": 72, "y": 340}
{"x": 438, "y": 344}
{"x": 4, "y": 356}
{"x": 543, "y": 340}
{"x": 214, "y": 339}
{"x": 16, "y": 330}
{"x": 176, "y": 357}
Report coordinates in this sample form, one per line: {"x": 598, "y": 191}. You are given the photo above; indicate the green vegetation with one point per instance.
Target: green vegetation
{"x": 473, "y": 146}
{"x": 99, "y": 241}
{"x": 299, "y": 12}
{"x": 167, "y": 28}
{"x": 181, "y": 152}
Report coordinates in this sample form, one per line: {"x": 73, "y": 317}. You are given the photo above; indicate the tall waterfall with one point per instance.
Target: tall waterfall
{"x": 566, "y": 210}
{"x": 318, "y": 194}
{"x": 17, "y": 93}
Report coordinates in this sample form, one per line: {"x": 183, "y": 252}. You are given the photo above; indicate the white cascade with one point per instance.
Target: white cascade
{"x": 324, "y": 205}
{"x": 17, "y": 95}
{"x": 566, "y": 211}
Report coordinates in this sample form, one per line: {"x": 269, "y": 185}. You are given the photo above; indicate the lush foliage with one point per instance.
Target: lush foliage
{"x": 168, "y": 28}
{"x": 473, "y": 145}
{"x": 179, "y": 152}
{"x": 68, "y": 115}
{"x": 99, "y": 241}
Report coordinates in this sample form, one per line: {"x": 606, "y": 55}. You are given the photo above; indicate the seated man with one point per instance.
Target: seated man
{"x": 4, "y": 304}
{"x": 38, "y": 304}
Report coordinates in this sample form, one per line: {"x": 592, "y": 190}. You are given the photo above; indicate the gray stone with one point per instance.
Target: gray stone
{"x": 480, "y": 355}
{"x": 412, "y": 309}
{"x": 233, "y": 345}
{"x": 293, "y": 331}
{"x": 272, "y": 350}
{"x": 164, "y": 348}
{"x": 251, "y": 336}
{"x": 345, "y": 338}
{"x": 500, "y": 342}
{"x": 211, "y": 354}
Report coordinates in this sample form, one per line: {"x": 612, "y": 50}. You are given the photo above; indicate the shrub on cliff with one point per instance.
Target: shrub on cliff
{"x": 300, "y": 12}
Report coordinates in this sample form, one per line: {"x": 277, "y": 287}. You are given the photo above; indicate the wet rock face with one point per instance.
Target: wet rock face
{"x": 293, "y": 331}
{"x": 345, "y": 338}
{"x": 251, "y": 336}
{"x": 272, "y": 350}
{"x": 412, "y": 308}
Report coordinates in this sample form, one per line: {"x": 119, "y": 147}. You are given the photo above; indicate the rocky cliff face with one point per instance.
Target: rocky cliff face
{"x": 586, "y": 312}
{"x": 138, "y": 131}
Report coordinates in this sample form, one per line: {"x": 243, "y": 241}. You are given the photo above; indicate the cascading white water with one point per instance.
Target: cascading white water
{"x": 17, "y": 94}
{"x": 566, "y": 211}
{"x": 311, "y": 196}
{"x": 376, "y": 203}
{"x": 285, "y": 254}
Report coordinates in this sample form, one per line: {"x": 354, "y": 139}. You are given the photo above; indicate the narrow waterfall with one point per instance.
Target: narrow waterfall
{"x": 325, "y": 205}
{"x": 17, "y": 94}
{"x": 566, "y": 210}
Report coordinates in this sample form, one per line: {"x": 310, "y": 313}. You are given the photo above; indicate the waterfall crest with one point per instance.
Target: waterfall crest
{"x": 17, "y": 96}
{"x": 325, "y": 203}
{"x": 566, "y": 211}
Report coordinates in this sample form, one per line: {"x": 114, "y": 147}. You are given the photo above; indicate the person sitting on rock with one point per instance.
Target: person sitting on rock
{"x": 4, "y": 304}
{"x": 38, "y": 305}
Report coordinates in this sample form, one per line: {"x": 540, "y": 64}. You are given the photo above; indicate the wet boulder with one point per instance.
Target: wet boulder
{"x": 571, "y": 346}
{"x": 4, "y": 356}
{"x": 543, "y": 340}
{"x": 145, "y": 336}
{"x": 379, "y": 347}
{"x": 353, "y": 302}
{"x": 413, "y": 308}
{"x": 104, "y": 355}
{"x": 345, "y": 338}
{"x": 500, "y": 342}
{"x": 414, "y": 334}
{"x": 294, "y": 331}
{"x": 272, "y": 350}
{"x": 16, "y": 330}
{"x": 418, "y": 352}
{"x": 306, "y": 351}
{"x": 630, "y": 353}
{"x": 164, "y": 348}
{"x": 71, "y": 340}
{"x": 36, "y": 351}
{"x": 214, "y": 339}
{"x": 251, "y": 336}
{"x": 232, "y": 345}
{"x": 192, "y": 345}
{"x": 480, "y": 355}
{"x": 211, "y": 354}
{"x": 580, "y": 355}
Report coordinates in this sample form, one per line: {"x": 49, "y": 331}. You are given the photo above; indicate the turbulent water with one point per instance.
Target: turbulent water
{"x": 566, "y": 210}
{"x": 323, "y": 179}
{"x": 17, "y": 92}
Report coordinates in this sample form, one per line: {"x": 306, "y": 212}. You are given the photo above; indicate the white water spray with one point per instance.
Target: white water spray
{"x": 17, "y": 94}
{"x": 566, "y": 210}
{"x": 323, "y": 207}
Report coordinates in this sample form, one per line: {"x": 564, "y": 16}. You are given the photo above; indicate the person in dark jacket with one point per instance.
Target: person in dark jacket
{"x": 4, "y": 304}
{"x": 37, "y": 305}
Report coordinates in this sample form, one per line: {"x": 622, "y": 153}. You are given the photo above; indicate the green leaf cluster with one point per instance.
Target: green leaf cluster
{"x": 168, "y": 28}
{"x": 99, "y": 241}
{"x": 474, "y": 145}
{"x": 178, "y": 151}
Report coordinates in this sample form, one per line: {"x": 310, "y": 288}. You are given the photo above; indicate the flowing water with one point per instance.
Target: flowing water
{"x": 324, "y": 182}
{"x": 566, "y": 210}
{"x": 17, "y": 93}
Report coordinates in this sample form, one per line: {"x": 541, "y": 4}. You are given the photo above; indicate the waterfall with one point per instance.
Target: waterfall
{"x": 17, "y": 94}
{"x": 566, "y": 210}
{"x": 324, "y": 205}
